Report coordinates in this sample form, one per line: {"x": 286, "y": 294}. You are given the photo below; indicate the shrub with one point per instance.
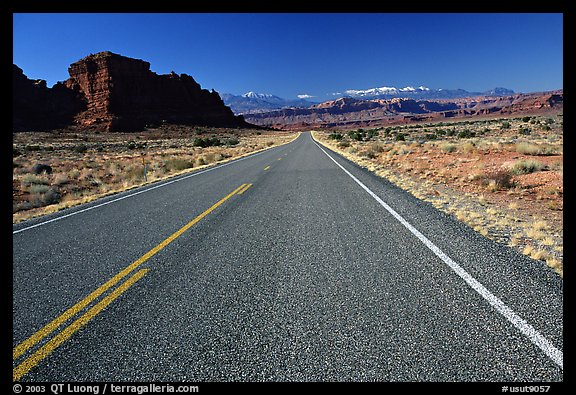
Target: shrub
{"x": 372, "y": 150}
{"x": 499, "y": 179}
{"x": 52, "y": 196}
{"x": 448, "y": 147}
{"x": 40, "y": 168}
{"x": 231, "y": 141}
{"x": 525, "y": 131}
{"x": 206, "y": 142}
{"x": 465, "y": 134}
{"x": 335, "y": 136}
{"x": 212, "y": 157}
{"x": 356, "y": 135}
{"x": 32, "y": 147}
{"x": 200, "y": 161}
{"x": 505, "y": 125}
{"x": 41, "y": 198}
{"x": 31, "y": 179}
{"x": 372, "y": 133}
{"x": 80, "y": 148}
{"x": 400, "y": 137}
{"x": 38, "y": 188}
{"x": 177, "y": 164}
{"x": 536, "y": 149}
{"x": 135, "y": 172}
{"x": 527, "y": 166}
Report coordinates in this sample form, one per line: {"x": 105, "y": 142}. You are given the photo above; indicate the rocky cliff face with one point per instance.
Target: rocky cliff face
{"x": 118, "y": 93}
{"x": 123, "y": 94}
{"x": 37, "y": 107}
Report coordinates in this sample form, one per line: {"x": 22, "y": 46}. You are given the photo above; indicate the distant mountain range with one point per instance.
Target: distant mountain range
{"x": 254, "y": 103}
{"x": 347, "y": 112}
{"x": 420, "y": 92}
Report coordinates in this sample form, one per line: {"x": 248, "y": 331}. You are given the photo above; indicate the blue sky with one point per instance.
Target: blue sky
{"x": 313, "y": 54}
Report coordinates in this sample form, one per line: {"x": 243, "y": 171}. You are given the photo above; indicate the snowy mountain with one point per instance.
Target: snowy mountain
{"x": 420, "y": 92}
{"x": 385, "y": 90}
{"x": 253, "y": 103}
{"x": 261, "y": 96}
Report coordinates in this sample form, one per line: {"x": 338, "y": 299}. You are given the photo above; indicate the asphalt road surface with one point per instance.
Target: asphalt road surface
{"x": 292, "y": 264}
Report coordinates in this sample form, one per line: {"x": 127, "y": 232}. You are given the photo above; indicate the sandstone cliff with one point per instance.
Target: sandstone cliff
{"x": 123, "y": 94}
{"x": 110, "y": 92}
{"x": 37, "y": 107}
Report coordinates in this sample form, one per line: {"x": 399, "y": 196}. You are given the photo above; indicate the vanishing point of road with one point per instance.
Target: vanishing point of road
{"x": 292, "y": 264}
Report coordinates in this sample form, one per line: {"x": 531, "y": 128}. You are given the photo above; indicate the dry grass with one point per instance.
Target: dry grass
{"x": 88, "y": 166}
{"x": 488, "y": 181}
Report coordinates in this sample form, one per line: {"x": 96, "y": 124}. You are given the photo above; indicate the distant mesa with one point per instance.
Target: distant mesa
{"x": 353, "y": 112}
{"x": 256, "y": 103}
{"x": 111, "y": 92}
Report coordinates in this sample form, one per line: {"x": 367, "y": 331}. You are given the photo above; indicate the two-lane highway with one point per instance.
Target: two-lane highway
{"x": 291, "y": 264}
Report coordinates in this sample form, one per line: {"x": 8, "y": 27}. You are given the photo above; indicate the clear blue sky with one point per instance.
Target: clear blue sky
{"x": 314, "y": 54}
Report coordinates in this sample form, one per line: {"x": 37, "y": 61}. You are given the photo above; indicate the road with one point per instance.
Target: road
{"x": 293, "y": 264}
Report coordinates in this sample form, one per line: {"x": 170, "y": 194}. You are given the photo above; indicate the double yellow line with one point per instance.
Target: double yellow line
{"x": 24, "y": 367}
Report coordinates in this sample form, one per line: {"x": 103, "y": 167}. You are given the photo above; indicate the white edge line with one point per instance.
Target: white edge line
{"x": 528, "y": 330}
{"x": 181, "y": 178}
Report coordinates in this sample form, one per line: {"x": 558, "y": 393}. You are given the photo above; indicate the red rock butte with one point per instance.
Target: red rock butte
{"x": 117, "y": 93}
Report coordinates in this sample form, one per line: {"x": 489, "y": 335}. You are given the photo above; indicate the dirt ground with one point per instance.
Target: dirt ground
{"x": 85, "y": 166}
{"x": 503, "y": 177}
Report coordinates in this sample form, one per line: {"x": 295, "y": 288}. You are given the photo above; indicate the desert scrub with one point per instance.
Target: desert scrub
{"x": 468, "y": 147}
{"x": 231, "y": 141}
{"x": 40, "y": 195}
{"x": 38, "y": 188}
{"x": 31, "y": 179}
{"x": 448, "y": 147}
{"x": 536, "y": 149}
{"x": 211, "y": 157}
{"x": 497, "y": 180}
{"x": 372, "y": 150}
{"x": 177, "y": 164}
{"x": 206, "y": 142}
{"x": 527, "y": 166}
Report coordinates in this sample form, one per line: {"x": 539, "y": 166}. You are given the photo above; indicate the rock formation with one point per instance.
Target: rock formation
{"x": 37, "y": 107}
{"x": 123, "y": 94}
{"x": 350, "y": 112}
{"x": 111, "y": 92}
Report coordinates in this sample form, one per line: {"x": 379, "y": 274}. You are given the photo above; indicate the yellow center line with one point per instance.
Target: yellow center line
{"x": 279, "y": 158}
{"x": 240, "y": 192}
{"x": 72, "y": 311}
{"x": 267, "y": 167}
{"x": 61, "y": 337}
